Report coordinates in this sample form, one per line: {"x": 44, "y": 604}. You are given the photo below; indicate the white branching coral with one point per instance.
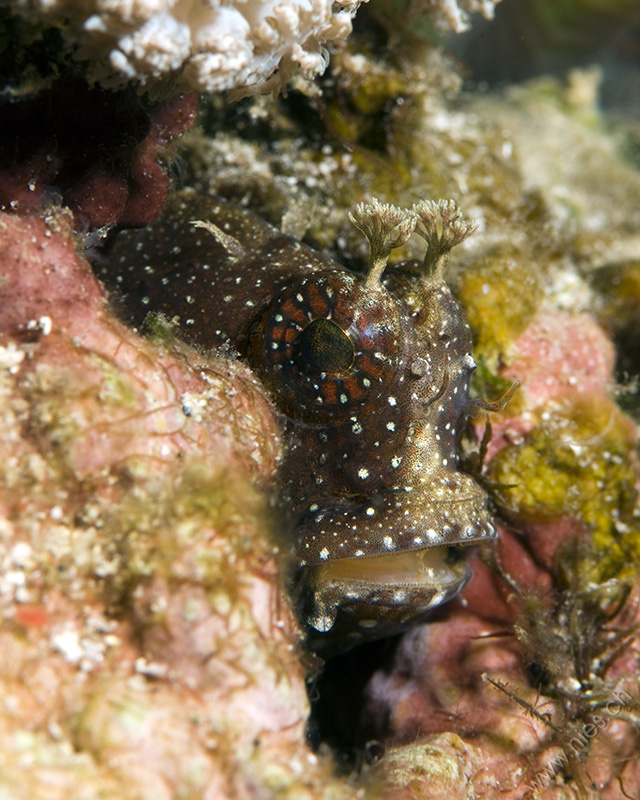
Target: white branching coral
{"x": 201, "y": 45}
{"x": 454, "y": 14}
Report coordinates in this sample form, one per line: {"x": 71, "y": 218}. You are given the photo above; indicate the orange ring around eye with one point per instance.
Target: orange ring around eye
{"x": 328, "y": 344}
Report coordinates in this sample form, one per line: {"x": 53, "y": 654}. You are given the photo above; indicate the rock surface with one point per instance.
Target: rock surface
{"x": 147, "y": 649}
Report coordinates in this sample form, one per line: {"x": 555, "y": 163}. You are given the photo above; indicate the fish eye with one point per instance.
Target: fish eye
{"x": 327, "y": 347}
{"x": 323, "y": 347}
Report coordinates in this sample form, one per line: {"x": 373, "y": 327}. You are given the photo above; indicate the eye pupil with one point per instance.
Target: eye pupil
{"x": 324, "y": 347}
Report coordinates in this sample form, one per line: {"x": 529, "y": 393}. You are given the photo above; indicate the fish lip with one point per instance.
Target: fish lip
{"x": 365, "y": 610}
{"x": 447, "y": 509}
{"x": 393, "y": 571}
{"x": 475, "y": 533}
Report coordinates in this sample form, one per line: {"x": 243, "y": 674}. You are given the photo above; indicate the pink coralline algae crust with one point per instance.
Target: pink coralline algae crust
{"x": 50, "y": 296}
{"x": 557, "y": 355}
{"x": 560, "y": 352}
{"x": 96, "y": 151}
{"x": 146, "y": 643}
{"x": 436, "y": 688}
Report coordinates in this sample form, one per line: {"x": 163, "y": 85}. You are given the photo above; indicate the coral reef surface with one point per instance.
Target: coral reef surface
{"x": 146, "y": 650}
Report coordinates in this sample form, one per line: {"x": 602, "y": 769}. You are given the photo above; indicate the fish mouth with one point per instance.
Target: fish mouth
{"x": 352, "y": 600}
{"x": 427, "y": 567}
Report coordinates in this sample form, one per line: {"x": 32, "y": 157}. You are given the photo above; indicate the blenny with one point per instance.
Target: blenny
{"x": 371, "y": 375}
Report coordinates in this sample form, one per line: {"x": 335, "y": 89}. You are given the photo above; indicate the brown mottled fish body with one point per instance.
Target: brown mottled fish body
{"x": 372, "y": 379}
